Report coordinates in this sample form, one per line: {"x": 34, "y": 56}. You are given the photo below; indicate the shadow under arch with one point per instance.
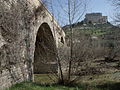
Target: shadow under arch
{"x": 45, "y": 51}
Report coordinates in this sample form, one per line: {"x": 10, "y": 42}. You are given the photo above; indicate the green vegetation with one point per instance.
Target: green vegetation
{"x": 93, "y": 30}
{"x": 91, "y": 82}
{"x": 45, "y": 78}
{"x": 32, "y": 86}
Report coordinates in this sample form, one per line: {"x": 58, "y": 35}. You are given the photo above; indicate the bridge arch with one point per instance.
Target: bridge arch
{"x": 45, "y": 50}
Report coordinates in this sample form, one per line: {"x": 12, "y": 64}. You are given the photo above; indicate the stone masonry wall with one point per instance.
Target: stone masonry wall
{"x": 10, "y": 76}
{"x": 19, "y": 23}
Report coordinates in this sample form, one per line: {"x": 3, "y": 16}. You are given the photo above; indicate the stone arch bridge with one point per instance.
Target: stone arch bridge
{"x": 28, "y": 32}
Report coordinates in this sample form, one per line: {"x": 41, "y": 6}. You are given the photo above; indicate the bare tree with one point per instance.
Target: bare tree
{"x": 116, "y": 3}
{"x": 72, "y": 10}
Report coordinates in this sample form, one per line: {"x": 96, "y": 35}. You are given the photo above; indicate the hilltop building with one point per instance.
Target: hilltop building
{"x": 95, "y": 18}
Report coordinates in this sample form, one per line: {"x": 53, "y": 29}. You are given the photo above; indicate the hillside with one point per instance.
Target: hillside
{"x": 103, "y": 33}
{"x": 91, "y": 29}
{"x": 101, "y": 47}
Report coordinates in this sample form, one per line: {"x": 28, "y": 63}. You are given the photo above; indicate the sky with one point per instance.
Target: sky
{"x": 93, "y": 6}
{"x": 103, "y": 6}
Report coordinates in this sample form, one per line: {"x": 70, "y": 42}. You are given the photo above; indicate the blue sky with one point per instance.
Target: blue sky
{"x": 103, "y": 6}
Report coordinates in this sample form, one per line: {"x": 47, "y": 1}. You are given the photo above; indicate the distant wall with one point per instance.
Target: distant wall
{"x": 95, "y": 18}
{"x": 46, "y": 68}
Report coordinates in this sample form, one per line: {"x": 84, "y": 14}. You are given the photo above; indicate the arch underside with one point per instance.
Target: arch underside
{"x": 45, "y": 51}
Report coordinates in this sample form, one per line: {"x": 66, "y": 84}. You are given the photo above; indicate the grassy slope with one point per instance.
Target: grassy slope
{"x": 91, "y": 82}
{"x": 93, "y": 30}
{"x": 32, "y": 86}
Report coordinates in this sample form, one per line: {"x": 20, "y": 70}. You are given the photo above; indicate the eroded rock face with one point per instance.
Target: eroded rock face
{"x": 19, "y": 24}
